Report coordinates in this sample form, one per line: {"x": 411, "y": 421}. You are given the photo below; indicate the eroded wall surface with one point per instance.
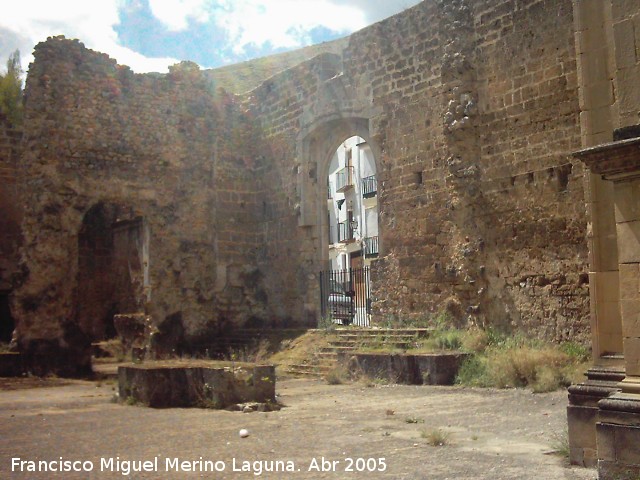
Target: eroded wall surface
{"x": 10, "y": 219}
{"x": 471, "y": 110}
{"x": 159, "y": 149}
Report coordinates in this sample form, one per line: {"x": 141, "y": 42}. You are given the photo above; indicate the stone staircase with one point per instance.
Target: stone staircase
{"x": 353, "y": 339}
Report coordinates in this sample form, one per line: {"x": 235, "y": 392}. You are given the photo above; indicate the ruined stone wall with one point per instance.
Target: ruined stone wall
{"x": 143, "y": 146}
{"x": 470, "y": 108}
{"x": 473, "y": 108}
{"x": 289, "y": 255}
{"x": 501, "y": 227}
{"x": 10, "y": 206}
{"x": 535, "y": 215}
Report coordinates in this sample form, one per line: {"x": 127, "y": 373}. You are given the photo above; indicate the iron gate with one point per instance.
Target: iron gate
{"x": 345, "y": 296}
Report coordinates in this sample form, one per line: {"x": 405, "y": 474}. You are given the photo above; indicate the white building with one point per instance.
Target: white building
{"x": 352, "y": 206}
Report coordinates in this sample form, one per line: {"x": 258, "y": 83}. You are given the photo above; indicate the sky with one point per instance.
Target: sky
{"x": 150, "y": 35}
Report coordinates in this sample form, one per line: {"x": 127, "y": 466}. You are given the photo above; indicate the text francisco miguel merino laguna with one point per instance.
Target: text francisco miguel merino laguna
{"x": 126, "y": 467}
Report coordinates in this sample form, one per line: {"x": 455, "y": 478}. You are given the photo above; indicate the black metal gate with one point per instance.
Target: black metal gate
{"x": 345, "y": 296}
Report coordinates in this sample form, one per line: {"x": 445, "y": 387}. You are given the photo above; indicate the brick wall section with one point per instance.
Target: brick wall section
{"x": 499, "y": 236}
{"x": 10, "y": 206}
{"x": 529, "y": 125}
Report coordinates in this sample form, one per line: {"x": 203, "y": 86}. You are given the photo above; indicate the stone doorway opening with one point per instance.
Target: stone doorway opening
{"x": 6, "y": 320}
{"x": 348, "y": 209}
{"x": 112, "y": 268}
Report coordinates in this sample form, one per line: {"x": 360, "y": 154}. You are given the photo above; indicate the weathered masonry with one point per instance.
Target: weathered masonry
{"x": 604, "y": 411}
{"x": 206, "y": 209}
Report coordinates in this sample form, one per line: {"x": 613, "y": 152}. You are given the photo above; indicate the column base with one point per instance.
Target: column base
{"x": 582, "y": 412}
{"x": 618, "y": 437}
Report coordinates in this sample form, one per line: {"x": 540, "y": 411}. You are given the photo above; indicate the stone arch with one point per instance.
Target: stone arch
{"x": 319, "y": 145}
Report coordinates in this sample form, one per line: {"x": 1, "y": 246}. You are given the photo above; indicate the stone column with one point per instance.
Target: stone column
{"x": 618, "y": 416}
{"x": 618, "y": 427}
{"x": 596, "y": 57}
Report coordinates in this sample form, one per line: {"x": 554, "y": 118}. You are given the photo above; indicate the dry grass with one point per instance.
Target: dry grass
{"x": 258, "y": 353}
{"x": 519, "y": 367}
{"x": 337, "y": 376}
{"x": 475, "y": 340}
{"x": 560, "y": 444}
{"x": 436, "y": 437}
{"x": 543, "y": 368}
{"x": 300, "y": 350}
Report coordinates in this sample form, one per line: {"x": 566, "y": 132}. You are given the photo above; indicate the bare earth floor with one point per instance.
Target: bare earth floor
{"x": 493, "y": 434}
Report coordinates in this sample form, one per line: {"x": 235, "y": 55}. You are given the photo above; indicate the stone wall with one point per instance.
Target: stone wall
{"x": 10, "y": 206}
{"x": 470, "y": 108}
{"x": 473, "y": 110}
{"x": 10, "y": 218}
{"x": 157, "y": 149}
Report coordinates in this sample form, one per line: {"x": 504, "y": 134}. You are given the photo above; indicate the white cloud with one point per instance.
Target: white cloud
{"x": 376, "y": 10}
{"x": 244, "y": 23}
{"x": 91, "y": 22}
{"x": 175, "y": 14}
{"x": 280, "y": 23}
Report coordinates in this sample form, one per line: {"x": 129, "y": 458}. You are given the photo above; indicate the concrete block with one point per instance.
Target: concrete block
{"x": 627, "y": 440}
{"x": 625, "y": 48}
{"x": 596, "y": 95}
{"x": 626, "y": 199}
{"x": 628, "y": 89}
{"x": 608, "y": 470}
{"x": 629, "y": 275}
{"x": 629, "y": 310}
{"x": 198, "y": 384}
{"x": 610, "y": 342}
{"x": 605, "y": 439}
{"x": 628, "y": 242}
{"x": 632, "y": 355}
{"x": 582, "y": 434}
{"x": 606, "y": 286}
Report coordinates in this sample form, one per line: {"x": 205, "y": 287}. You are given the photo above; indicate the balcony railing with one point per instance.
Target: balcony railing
{"x": 371, "y": 246}
{"x": 369, "y": 186}
{"x": 345, "y": 232}
{"x": 344, "y": 179}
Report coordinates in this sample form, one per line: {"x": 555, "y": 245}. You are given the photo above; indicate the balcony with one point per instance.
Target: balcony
{"x": 371, "y": 247}
{"x": 344, "y": 179}
{"x": 345, "y": 232}
{"x": 369, "y": 186}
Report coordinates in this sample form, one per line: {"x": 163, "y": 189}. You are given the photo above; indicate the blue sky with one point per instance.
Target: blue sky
{"x": 150, "y": 35}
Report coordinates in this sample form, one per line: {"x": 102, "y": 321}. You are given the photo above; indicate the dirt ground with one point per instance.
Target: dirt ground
{"x": 378, "y": 432}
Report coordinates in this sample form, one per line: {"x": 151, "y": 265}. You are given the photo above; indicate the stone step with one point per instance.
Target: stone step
{"x": 337, "y": 349}
{"x": 329, "y": 354}
{"x": 369, "y": 342}
{"x": 383, "y": 335}
{"x": 308, "y": 370}
{"x": 378, "y": 338}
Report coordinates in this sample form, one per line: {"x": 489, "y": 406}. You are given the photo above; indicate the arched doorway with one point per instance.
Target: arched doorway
{"x": 112, "y": 268}
{"x": 352, "y": 206}
{"x": 352, "y": 232}
{"x": 345, "y": 162}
